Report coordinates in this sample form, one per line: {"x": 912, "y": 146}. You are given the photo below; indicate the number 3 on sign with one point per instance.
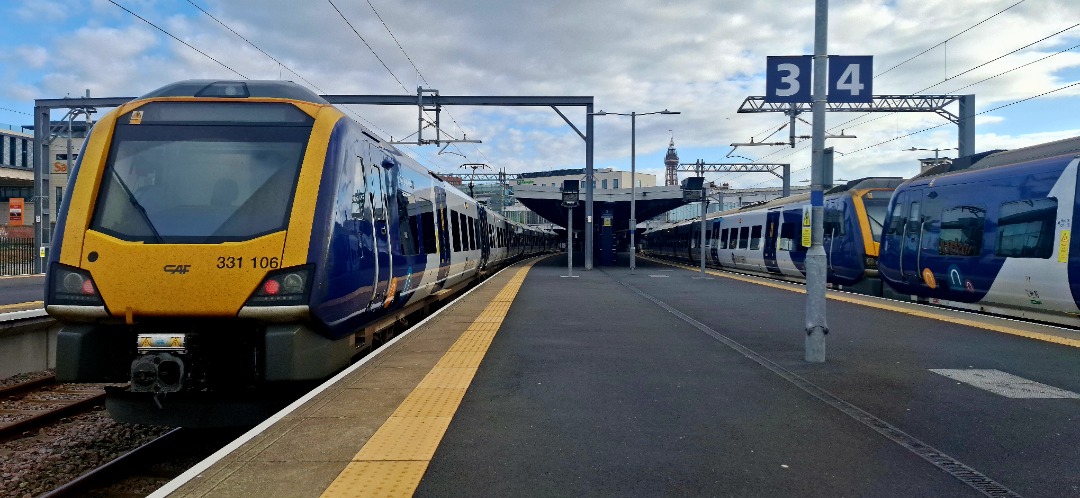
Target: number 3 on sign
{"x": 787, "y": 78}
{"x": 851, "y": 78}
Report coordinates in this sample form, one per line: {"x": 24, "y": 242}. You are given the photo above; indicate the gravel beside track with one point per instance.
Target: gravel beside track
{"x": 38, "y": 461}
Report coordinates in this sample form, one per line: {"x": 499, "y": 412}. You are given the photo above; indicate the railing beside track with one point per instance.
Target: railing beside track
{"x": 16, "y": 256}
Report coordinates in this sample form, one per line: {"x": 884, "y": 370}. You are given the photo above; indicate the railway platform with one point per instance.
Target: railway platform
{"x": 663, "y": 383}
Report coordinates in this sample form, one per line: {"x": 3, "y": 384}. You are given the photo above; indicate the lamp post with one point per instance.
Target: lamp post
{"x": 633, "y": 172}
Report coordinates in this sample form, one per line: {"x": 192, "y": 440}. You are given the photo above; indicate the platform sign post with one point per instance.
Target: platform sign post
{"x": 816, "y": 328}
{"x": 570, "y": 194}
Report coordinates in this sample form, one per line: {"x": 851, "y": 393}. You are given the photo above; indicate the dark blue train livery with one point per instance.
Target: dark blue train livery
{"x": 992, "y": 233}
{"x": 221, "y": 238}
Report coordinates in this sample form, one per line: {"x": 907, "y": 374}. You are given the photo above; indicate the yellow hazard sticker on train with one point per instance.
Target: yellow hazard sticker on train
{"x": 136, "y": 117}
{"x": 1063, "y": 247}
{"x": 807, "y": 226}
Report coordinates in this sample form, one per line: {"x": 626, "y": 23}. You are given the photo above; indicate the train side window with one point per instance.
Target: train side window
{"x": 896, "y": 219}
{"x": 834, "y": 222}
{"x": 786, "y": 242}
{"x": 455, "y": 231}
{"x": 723, "y": 238}
{"x": 755, "y": 237}
{"x": 961, "y": 231}
{"x": 1026, "y": 228}
{"x": 427, "y": 221}
{"x": 472, "y": 232}
{"x": 407, "y": 225}
{"x": 744, "y": 237}
{"x": 913, "y": 219}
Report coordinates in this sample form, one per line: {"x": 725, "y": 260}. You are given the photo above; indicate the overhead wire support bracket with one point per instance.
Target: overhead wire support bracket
{"x": 880, "y": 103}
{"x": 700, "y": 167}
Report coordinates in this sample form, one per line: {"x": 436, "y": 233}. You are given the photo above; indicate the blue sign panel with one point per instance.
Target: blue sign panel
{"x": 851, "y": 78}
{"x": 788, "y": 78}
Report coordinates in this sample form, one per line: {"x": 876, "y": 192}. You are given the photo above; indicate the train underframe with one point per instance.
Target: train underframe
{"x": 217, "y": 372}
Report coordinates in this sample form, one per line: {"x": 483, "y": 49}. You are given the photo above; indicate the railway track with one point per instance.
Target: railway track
{"x": 148, "y": 467}
{"x": 39, "y": 401}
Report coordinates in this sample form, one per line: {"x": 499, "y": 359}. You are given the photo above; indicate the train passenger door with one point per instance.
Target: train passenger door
{"x": 482, "y": 235}
{"x": 444, "y": 235}
{"x": 377, "y": 198}
{"x": 363, "y": 221}
{"x": 911, "y": 235}
{"x": 772, "y": 230}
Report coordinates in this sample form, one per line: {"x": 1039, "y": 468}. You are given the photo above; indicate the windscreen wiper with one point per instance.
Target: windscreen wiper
{"x": 138, "y": 207}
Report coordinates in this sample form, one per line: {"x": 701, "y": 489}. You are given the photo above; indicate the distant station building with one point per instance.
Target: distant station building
{"x": 65, "y": 141}
{"x": 16, "y": 182}
{"x": 603, "y": 179}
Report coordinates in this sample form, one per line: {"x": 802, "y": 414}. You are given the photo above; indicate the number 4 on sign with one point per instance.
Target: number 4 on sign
{"x": 851, "y": 78}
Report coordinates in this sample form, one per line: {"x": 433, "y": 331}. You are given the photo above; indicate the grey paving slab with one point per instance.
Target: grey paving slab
{"x": 590, "y": 389}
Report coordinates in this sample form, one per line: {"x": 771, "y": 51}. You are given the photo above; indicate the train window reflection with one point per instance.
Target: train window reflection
{"x": 787, "y": 237}
{"x": 1026, "y": 228}
{"x": 961, "y": 231}
{"x": 744, "y": 237}
{"x": 199, "y": 184}
{"x": 876, "y": 207}
{"x": 755, "y": 237}
{"x": 455, "y": 231}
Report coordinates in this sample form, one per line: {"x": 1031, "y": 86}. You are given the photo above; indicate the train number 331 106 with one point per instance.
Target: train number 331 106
{"x": 230, "y": 262}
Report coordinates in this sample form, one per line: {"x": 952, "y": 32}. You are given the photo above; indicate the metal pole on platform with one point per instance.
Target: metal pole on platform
{"x": 570, "y": 243}
{"x": 633, "y": 189}
{"x": 704, "y": 209}
{"x": 815, "y": 257}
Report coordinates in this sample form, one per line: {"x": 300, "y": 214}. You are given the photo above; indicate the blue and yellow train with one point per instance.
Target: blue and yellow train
{"x": 767, "y": 238}
{"x": 222, "y": 240}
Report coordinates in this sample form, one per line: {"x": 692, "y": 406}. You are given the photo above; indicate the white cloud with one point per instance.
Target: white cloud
{"x": 41, "y": 11}
{"x": 698, "y": 57}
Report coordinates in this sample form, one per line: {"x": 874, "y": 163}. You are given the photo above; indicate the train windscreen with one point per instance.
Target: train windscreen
{"x": 224, "y": 172}
{"x": 876, "y": 209}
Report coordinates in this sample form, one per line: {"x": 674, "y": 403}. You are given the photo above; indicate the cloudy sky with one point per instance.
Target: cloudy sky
{"x": 701, "y": 58}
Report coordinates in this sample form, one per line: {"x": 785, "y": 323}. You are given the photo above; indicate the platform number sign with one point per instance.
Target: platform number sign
{"x": 850, "y": 78}
{"x": 788, "y": 78}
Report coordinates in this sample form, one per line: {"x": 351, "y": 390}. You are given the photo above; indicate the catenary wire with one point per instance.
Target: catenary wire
{"x": 178, "y": 39}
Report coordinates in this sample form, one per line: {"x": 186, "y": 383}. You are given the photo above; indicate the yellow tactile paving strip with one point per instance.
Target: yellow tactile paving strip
{"x": 878, "y": 303}
{"x": 394, "y": 460}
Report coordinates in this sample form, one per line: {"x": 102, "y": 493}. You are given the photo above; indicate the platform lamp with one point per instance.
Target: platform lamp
{"x": 693, "y": 190}
{"x": 633, "y": 172}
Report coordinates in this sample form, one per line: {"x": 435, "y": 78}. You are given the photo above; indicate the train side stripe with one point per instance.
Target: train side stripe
{"x": 394, "y": 460}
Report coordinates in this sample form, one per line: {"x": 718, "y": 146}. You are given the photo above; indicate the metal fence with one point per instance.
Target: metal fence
{"x": 16, "y": 256}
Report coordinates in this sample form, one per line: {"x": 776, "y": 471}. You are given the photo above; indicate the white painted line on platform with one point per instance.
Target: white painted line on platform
{"x": 659, "y": 276}
{"x": 21, "y": 315}
{"x": 1005, "y": 384}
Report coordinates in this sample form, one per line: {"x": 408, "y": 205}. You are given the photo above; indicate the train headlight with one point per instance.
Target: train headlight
{"x": 287, "y": 287}
{"x": 72, "y": 286}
